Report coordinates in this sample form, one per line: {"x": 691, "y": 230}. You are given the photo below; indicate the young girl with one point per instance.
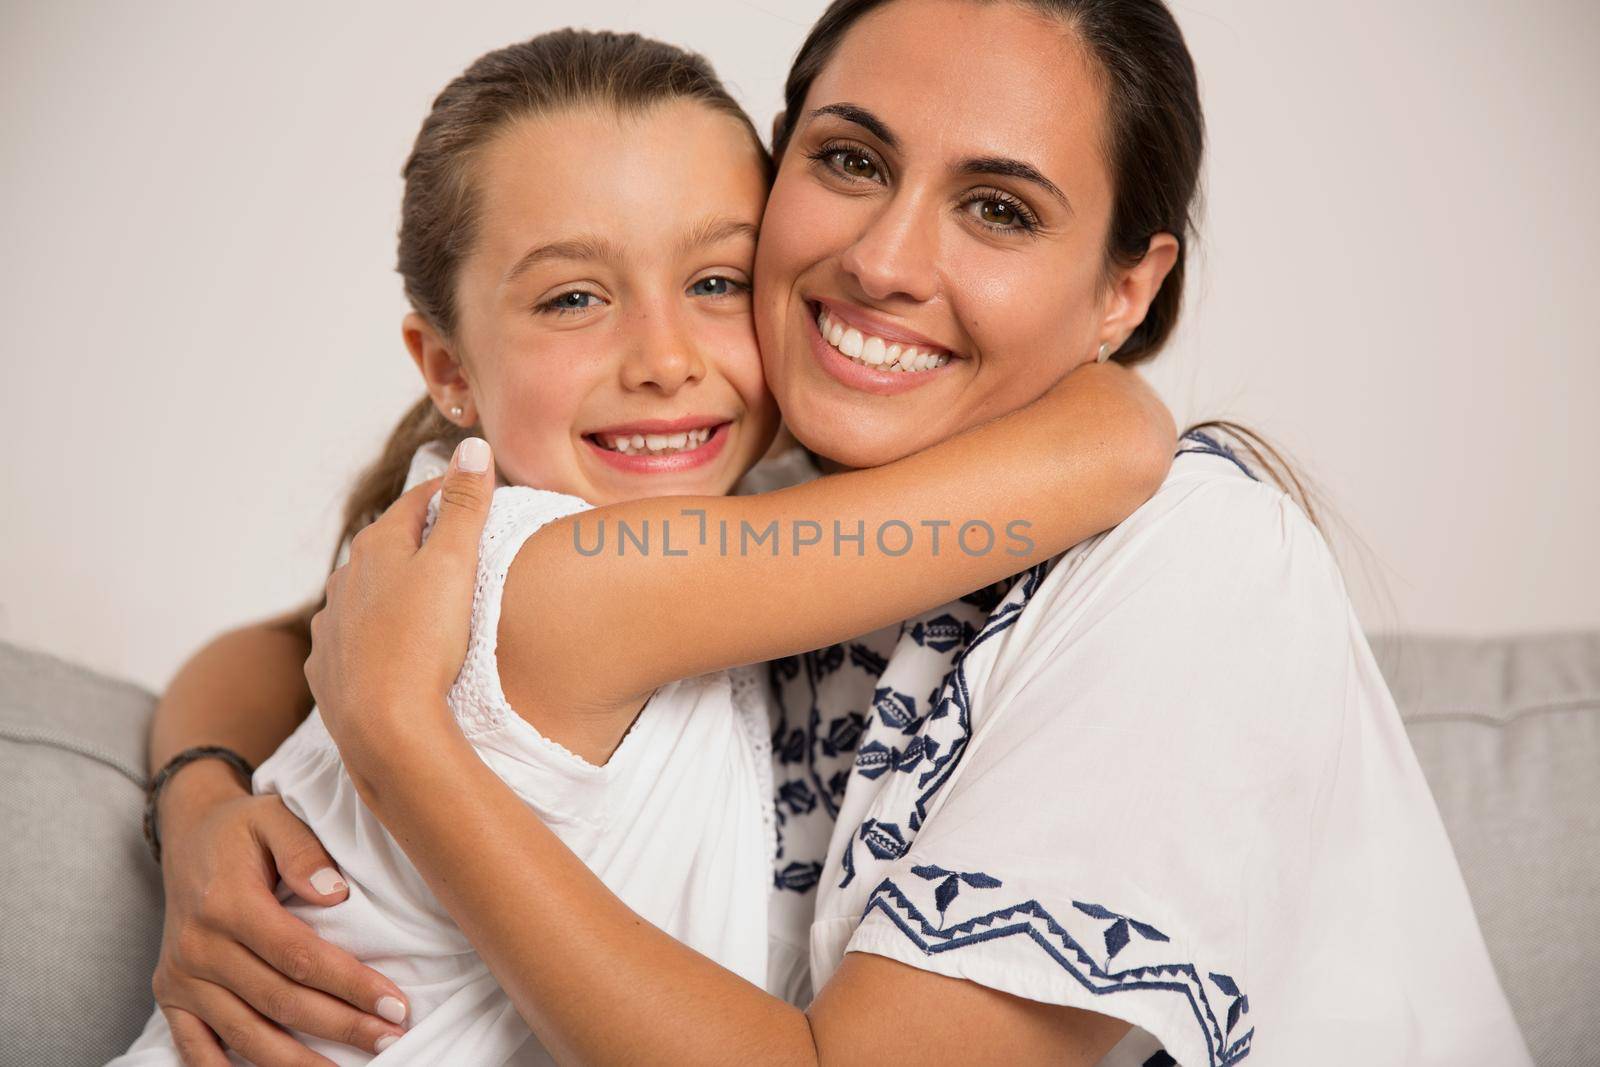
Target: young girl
{"x": 577, "y": 237}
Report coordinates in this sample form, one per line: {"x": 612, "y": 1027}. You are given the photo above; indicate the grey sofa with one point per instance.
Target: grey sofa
{"x": 1507, "y": 731}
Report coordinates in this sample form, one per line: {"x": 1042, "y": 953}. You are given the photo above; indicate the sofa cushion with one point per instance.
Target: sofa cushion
{"x": 79, "y": 892}
{"x": 1508, "y": 734}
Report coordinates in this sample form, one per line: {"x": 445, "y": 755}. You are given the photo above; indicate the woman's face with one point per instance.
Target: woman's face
{"x": 943, "y": 204}
{"x": 603, "y": 338}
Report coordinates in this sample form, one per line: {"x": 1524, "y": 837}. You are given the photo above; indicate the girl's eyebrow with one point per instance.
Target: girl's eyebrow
{"x": 713, "y": 230}
{"x": 582, "y": 246}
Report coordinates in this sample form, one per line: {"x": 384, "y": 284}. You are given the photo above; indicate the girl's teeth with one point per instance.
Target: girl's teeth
{"x": 875, "y": 351}
{"x": 657, "y": 442}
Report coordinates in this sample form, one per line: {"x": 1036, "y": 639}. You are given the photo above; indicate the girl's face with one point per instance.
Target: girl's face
{"x": 604, "y": 339}
{"x": 933, "y": 252}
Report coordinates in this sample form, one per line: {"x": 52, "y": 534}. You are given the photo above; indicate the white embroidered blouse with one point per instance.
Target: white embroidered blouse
{"x": 1159, "y": 778}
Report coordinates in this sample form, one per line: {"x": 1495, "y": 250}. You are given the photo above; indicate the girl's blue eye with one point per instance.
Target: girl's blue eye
{"x": 717, "y": 285}
{"x": 575, "y": 300}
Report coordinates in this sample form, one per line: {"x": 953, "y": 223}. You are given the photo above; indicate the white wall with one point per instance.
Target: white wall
{"x": 198, "y": 205}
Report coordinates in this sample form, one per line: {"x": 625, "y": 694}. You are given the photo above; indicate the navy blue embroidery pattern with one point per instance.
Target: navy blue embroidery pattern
{"x": 1094, "y": 972}
{"x": 1207, "y": 445}
{"x": 814, "y": 743}
{"x": 944, "y": 732}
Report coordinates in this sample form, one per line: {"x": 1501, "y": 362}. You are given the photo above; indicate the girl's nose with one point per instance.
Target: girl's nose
{"x": 661, "y": 357}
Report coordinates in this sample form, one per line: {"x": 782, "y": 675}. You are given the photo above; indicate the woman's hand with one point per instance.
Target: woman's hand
{"x": 235, "y": 964}
{"x": 392, "y": 635}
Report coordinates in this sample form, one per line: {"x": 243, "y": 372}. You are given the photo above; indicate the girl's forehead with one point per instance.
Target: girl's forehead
{"x": 643, "y": 180}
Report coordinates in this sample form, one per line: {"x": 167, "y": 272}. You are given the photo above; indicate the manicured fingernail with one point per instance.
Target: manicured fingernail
{"x": 385, "y": 1041}
{"x": 328, "y": 882}
{"x": 393, "y": 1009}
{"x": 472, "y": 455}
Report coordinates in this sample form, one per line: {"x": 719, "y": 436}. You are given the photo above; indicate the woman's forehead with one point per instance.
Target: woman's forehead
{"x": 972, "y": 79}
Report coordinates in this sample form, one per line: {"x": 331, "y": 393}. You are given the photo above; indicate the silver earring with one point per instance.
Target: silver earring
{"x": 1105, "y": 353}
{"x": 455, "y": 411}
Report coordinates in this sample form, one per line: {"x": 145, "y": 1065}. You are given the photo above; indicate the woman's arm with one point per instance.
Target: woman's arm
{"x": 223, "y": 852}
{"x": 246, "y": 690}
{"x": 1075, "y": 462}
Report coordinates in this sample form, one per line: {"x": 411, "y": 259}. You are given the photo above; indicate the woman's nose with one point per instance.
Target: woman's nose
{"x": 660, "y": 355}
{"x": 894, "y": 255}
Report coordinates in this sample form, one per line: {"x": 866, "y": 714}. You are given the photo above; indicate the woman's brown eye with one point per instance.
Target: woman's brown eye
{"x": 856, "y": 165}
{"x": 999, "y": 213}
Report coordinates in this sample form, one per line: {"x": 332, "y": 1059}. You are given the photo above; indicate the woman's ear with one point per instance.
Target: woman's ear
{"x": 441, "y": 370}
{"x": 1134, "y": 288}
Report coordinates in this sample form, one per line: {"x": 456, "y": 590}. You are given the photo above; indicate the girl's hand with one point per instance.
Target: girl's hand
{"x": 235, "y": 965}
{"x": 393, "y": 633}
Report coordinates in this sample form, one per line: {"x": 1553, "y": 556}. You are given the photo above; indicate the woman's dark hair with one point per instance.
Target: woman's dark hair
{"x": 1154, "y": 142}
{"x": 438, "y": 213}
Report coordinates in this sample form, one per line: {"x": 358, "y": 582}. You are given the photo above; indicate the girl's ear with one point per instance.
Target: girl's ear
{"x": 441, "y": 370}
{"x": 1134, "y": 289}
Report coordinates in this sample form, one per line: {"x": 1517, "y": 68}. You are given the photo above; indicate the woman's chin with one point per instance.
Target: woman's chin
{"x": 840, "y": 446}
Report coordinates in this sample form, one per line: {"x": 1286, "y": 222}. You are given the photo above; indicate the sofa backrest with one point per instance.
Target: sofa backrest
{"x": 1508, "y": 733}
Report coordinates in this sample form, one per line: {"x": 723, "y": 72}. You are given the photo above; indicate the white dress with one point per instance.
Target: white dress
{"x": 678, "y": 823}
{"x": 1159, "y": 778}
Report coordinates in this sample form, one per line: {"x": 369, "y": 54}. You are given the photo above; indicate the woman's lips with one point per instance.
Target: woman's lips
{"x": 670, "y": 463}
{"x": 850, "y": 373}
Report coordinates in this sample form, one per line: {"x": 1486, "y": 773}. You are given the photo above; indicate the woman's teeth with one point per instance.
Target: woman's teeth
{"x": 655, "y": 444}
{"x": 875, "y": 352}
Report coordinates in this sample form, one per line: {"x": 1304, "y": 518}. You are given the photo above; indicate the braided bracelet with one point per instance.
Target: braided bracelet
{"x": 152, "y": 833}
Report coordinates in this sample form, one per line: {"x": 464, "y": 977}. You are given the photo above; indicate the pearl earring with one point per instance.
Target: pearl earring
{"x": 1105, "y": 353}
{"x": 455, "y": 411}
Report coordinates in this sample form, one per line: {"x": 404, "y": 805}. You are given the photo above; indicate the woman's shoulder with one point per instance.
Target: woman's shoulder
{"x": 1216, "y": 521}
{"x": 1215, "y": 563}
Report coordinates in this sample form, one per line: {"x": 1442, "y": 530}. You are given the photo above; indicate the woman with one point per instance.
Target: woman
{"x": 1128, "y": 808}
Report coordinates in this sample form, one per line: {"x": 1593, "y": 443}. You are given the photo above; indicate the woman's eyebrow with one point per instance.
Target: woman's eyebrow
{"x": 1013, "y": 168}
{"x": 584, "y": 246}
{"x": 861, "y": 117}
{"x": 1010, "y": 168}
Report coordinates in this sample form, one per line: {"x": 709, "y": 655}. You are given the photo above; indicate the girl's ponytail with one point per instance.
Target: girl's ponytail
{"x": 381, "y": 483}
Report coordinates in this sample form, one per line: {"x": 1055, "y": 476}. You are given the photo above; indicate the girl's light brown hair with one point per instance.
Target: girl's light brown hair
{"x": 438, "y": 214}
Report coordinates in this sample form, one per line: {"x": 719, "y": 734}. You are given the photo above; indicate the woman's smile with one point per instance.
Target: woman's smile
{"x": 866, "y": 353}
